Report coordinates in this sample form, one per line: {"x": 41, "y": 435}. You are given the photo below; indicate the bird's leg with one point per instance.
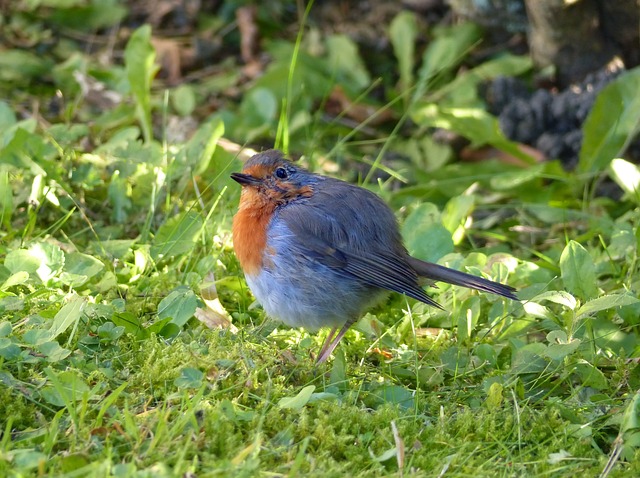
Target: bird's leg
{"x": 331, "y": 342}
{"x": 326, "y": 344}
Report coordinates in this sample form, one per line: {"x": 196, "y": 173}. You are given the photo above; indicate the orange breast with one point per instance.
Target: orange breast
{"x": 250, "y": 231}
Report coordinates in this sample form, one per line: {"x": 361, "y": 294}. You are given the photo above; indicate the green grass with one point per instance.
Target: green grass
{"x": 111, "y": 238}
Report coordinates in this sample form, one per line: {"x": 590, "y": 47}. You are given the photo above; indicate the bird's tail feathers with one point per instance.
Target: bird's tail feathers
{"x": 444, "y": 274}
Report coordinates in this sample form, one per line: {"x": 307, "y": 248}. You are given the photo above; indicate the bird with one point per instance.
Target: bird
{"x": 318, "y": 252}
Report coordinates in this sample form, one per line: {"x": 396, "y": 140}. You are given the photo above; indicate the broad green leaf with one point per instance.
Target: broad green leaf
{"x": 7, "y": 116}
{"x": 515, "y": 179}
{"x": 395, "y": 395}
{"x": 42, "y": 259}
{"x": 189, "y": 378}
{"x": 403, "y": 32}
{"x": 612, "y": 122}
{"x": 424, "y": 234}
{"x": 27, "y": 459}
{"x": 179, "y": 305}
{"x": 68, "y": 315}
{"x": 446, "y": 51}
{"x": 559, "y": 345}
{"x": 578, "y": 271}
{"x": 627, "y": 176}
{"x": 8, "y": 351}
{"x": 299, "y": 401}
{"x": 529, "y": 358}
{"x": 345, "y": 60}
{"x": 109, "y": 332}
{"x": 87, "y": 16}
{"x": 630, "y": 427}
{"x": 591, "y": 376}
{"x": 259, "y": 105}
{"x": 139, "y": 57}
{"x": 455, "y": 214}
{"x": 201, "y": 147}
{"x": 385, "y": 455}
{"x": 623, "y": 242}
{"x": 183, "y": 99}
{"x": 36, "y": 337}
{"x": 503, "y": 65}
{"x": 557, "y": 296}
{"x": 473, "y": 123}
{"x": 22, "y": 65}
{"x": 18, "y": 278}
{"x": 494, "y": 396}
{"x": 5, "y": 328}
{"x": 53, "y": 351}
{"x": 65, "y": 387}
{"x": 486, "y": 353}
{"x": 177, "y": 236}
{"x": 606, "y": 302}
{"x": 83, "y": 265}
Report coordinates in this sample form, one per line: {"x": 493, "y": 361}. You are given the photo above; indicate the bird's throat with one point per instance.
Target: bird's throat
{"x": 250, "y": 235}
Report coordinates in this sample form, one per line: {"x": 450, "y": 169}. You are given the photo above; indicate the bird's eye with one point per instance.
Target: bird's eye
{"x": 282, "y": 173}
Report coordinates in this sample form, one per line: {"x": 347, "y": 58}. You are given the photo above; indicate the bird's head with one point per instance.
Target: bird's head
{"x": 269, "y": 179}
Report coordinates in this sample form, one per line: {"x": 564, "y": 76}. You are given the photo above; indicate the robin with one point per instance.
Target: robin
{"x": 318, "y": 252}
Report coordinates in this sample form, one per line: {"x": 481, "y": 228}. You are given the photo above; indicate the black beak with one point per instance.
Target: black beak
{"x": 245, "y": 179}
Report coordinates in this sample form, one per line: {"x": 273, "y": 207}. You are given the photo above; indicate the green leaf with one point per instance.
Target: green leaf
{"x": 395, "y": 395}
{"x": 385, "y": 455}
{"x": 627, "y": 176}
{"x": 425, "y": 236}
{"x": 66, "y": 387}
{"x": 606, "y": 302}
{"x": 179, "y": 305}
{"x": 87, "y": 16}
{"x": 177, "y": 236}
{"x": 109, "y": 332}
{"x": 591, "y": 376}
{"x": 494, "y": 396}
{"x": 299, "y": 401}
{"x": 27, "y": 459}
{"x": 42, "y": 259}
{"x": 557, "y": 296}
{"x": 446, "y": 51}
{"x": 18, "y": 278}
{"x": 5, "y": 328}
{"x": 139, "y": 57}
{"x": 53, "y": 351}
{"x": 82, "y": 265}
{"x": 630, "y": 427}
{"x": 503, "y": 65}
{"x": 345, "y": 59}
{"x": 183, "y": 100}
{"x": 515, "y": 179}
{"x": 403, "y": 32}
{"x": 529, "y": 359}
{"x": 455, "y": 214}
{"x": 475, "y": 124}
{"x": 189, "y": 378}
{"x": 612, "y": 122}
{"x": 22, "y": 65}
{"x": 68, "y": 315}
{"x": 6, "y": 198}
{"x": 201, "y": 147}
{"x": 559, "y": 345}
{"x": 578, "y": 271}
{"x": 7, "y": 116}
